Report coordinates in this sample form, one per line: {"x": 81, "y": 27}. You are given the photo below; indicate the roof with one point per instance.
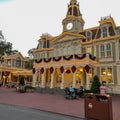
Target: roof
{"x": 68, "y": 33}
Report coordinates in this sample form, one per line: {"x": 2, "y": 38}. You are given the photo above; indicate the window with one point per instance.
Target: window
{"x": 67, "y": 50}
{"x": 103, "y": 75}
{"x": 58, "y": 52}
{"x": 104, "y": 32}
{"x": 89, "y": 50}
{"x": 18, "y": 62}
{"x": 76, "y": 50}
{"x": 89, "y": 35}
{"x": 108, "y": 46}
{"x": 106, "y": 75}
{"x": 40, "y": 45}
{"x": 109, "y": 75}
{"x": 102, "y": 51}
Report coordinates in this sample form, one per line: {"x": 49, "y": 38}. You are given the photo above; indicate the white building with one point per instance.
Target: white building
{"x": 78, "y": 54}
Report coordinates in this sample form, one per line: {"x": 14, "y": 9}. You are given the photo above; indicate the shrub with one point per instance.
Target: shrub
{"x": 22, "y": 81}
{"x": 95, "y": 87}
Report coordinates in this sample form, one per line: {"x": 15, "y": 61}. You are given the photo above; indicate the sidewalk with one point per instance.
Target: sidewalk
{"x": 52, "y": 102}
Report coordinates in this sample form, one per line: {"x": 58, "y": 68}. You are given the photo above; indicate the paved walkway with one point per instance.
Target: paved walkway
{"x": 52, "y": 102}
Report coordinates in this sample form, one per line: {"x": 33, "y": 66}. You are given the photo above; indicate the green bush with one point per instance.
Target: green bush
{"x": 95, "y": 87}
{"x": 22, "y": 81}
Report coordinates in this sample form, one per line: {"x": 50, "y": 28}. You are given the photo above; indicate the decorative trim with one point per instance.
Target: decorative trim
{"x": 51, "y": 70}
{"x": 62, "y": 69}
{"x": 42, "y": 70}
{"x": 73, "y": 69}
{"x": 47, "y": 59}
{"x": 38, "y": 61}
{"x": 80, "y": 56}
{"x": 57, "y": 58}
{"x": 87, "y": 68}
{"x": 68, "y": 57}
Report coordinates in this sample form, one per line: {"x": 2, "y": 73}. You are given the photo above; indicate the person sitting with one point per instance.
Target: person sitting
{"x": 71, "y": 89}
{"x": 81, "y": 91}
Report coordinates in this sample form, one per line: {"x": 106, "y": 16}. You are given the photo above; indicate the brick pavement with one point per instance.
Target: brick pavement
{"x": 52, "y": 102}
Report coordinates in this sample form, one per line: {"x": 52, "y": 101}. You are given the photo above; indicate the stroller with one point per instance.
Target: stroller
{"x": 81, "y": 92}
{"x": 70, "y": 93}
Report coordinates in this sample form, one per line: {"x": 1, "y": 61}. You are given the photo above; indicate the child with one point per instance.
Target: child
{"x": 102, "y": 89}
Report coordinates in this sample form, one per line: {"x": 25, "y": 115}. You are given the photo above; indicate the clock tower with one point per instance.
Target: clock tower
{"x": 73, "y": 21}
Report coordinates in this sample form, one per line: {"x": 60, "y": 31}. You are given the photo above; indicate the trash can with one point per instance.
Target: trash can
{"x": 98, "y": 107}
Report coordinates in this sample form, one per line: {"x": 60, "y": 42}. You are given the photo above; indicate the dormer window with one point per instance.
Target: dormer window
{"x": 40, "y": 45}
{"x": 46, "y": 44}
{"x": 104, "y": 32}
{"x": 89, "y": 35}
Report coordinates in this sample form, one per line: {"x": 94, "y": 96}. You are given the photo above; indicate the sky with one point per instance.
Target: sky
{"x": 23, "y": 21}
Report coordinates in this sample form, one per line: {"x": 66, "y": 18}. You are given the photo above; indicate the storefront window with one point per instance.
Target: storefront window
{"x": 109, "y": 74}
{"x": 106, "y": 75}
{"x": 103, "y": 75}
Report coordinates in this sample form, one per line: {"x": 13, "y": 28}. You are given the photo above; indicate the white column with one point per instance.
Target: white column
{"x": 52, "y": 80}
{"x": 34, "y": 79}
{"x": 43, "y": 80}
{"x": 100, "y": 74}
{"x": 117, "y": 50}
{"x": 118, "y": 75}
{"x": 95, "y": 71}
{"x": 95, "y": 51}
{"x": 82, "y": 81}
{"x": 74, "y": 79}
{"x": 62, "y": 83}
{"x": 87, "y": 81}
{"x": 106, "y": 69}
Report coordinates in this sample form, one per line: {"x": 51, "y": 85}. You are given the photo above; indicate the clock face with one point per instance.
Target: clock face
{"x": 69, "y": 26}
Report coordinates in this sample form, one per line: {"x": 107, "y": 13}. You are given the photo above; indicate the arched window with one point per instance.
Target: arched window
{"x": 18, "y": 62}
{"x": 102, "y": 50}
{"x": 108, "y": 48}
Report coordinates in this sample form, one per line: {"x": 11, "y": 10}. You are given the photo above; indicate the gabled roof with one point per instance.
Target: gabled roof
{"x": 70, "y": 34}
{"x": 13, "y": 56}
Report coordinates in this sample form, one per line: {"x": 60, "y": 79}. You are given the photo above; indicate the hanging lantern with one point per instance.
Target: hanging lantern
{"x": 73, "y": 69}
{"x": 62, "y": 69}
{"x": 87, "y": 68}
{"x": 42, "y": 70}
{"x": 51, "y": 70}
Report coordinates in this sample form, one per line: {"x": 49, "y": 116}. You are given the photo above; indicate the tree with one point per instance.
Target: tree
{"x": 30, "y": 52}
{"x": 29, "y": 64}
{"x": 95, "y": 87}
{"x": 22, "y": 80}
{"x": 6, "y": 48}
